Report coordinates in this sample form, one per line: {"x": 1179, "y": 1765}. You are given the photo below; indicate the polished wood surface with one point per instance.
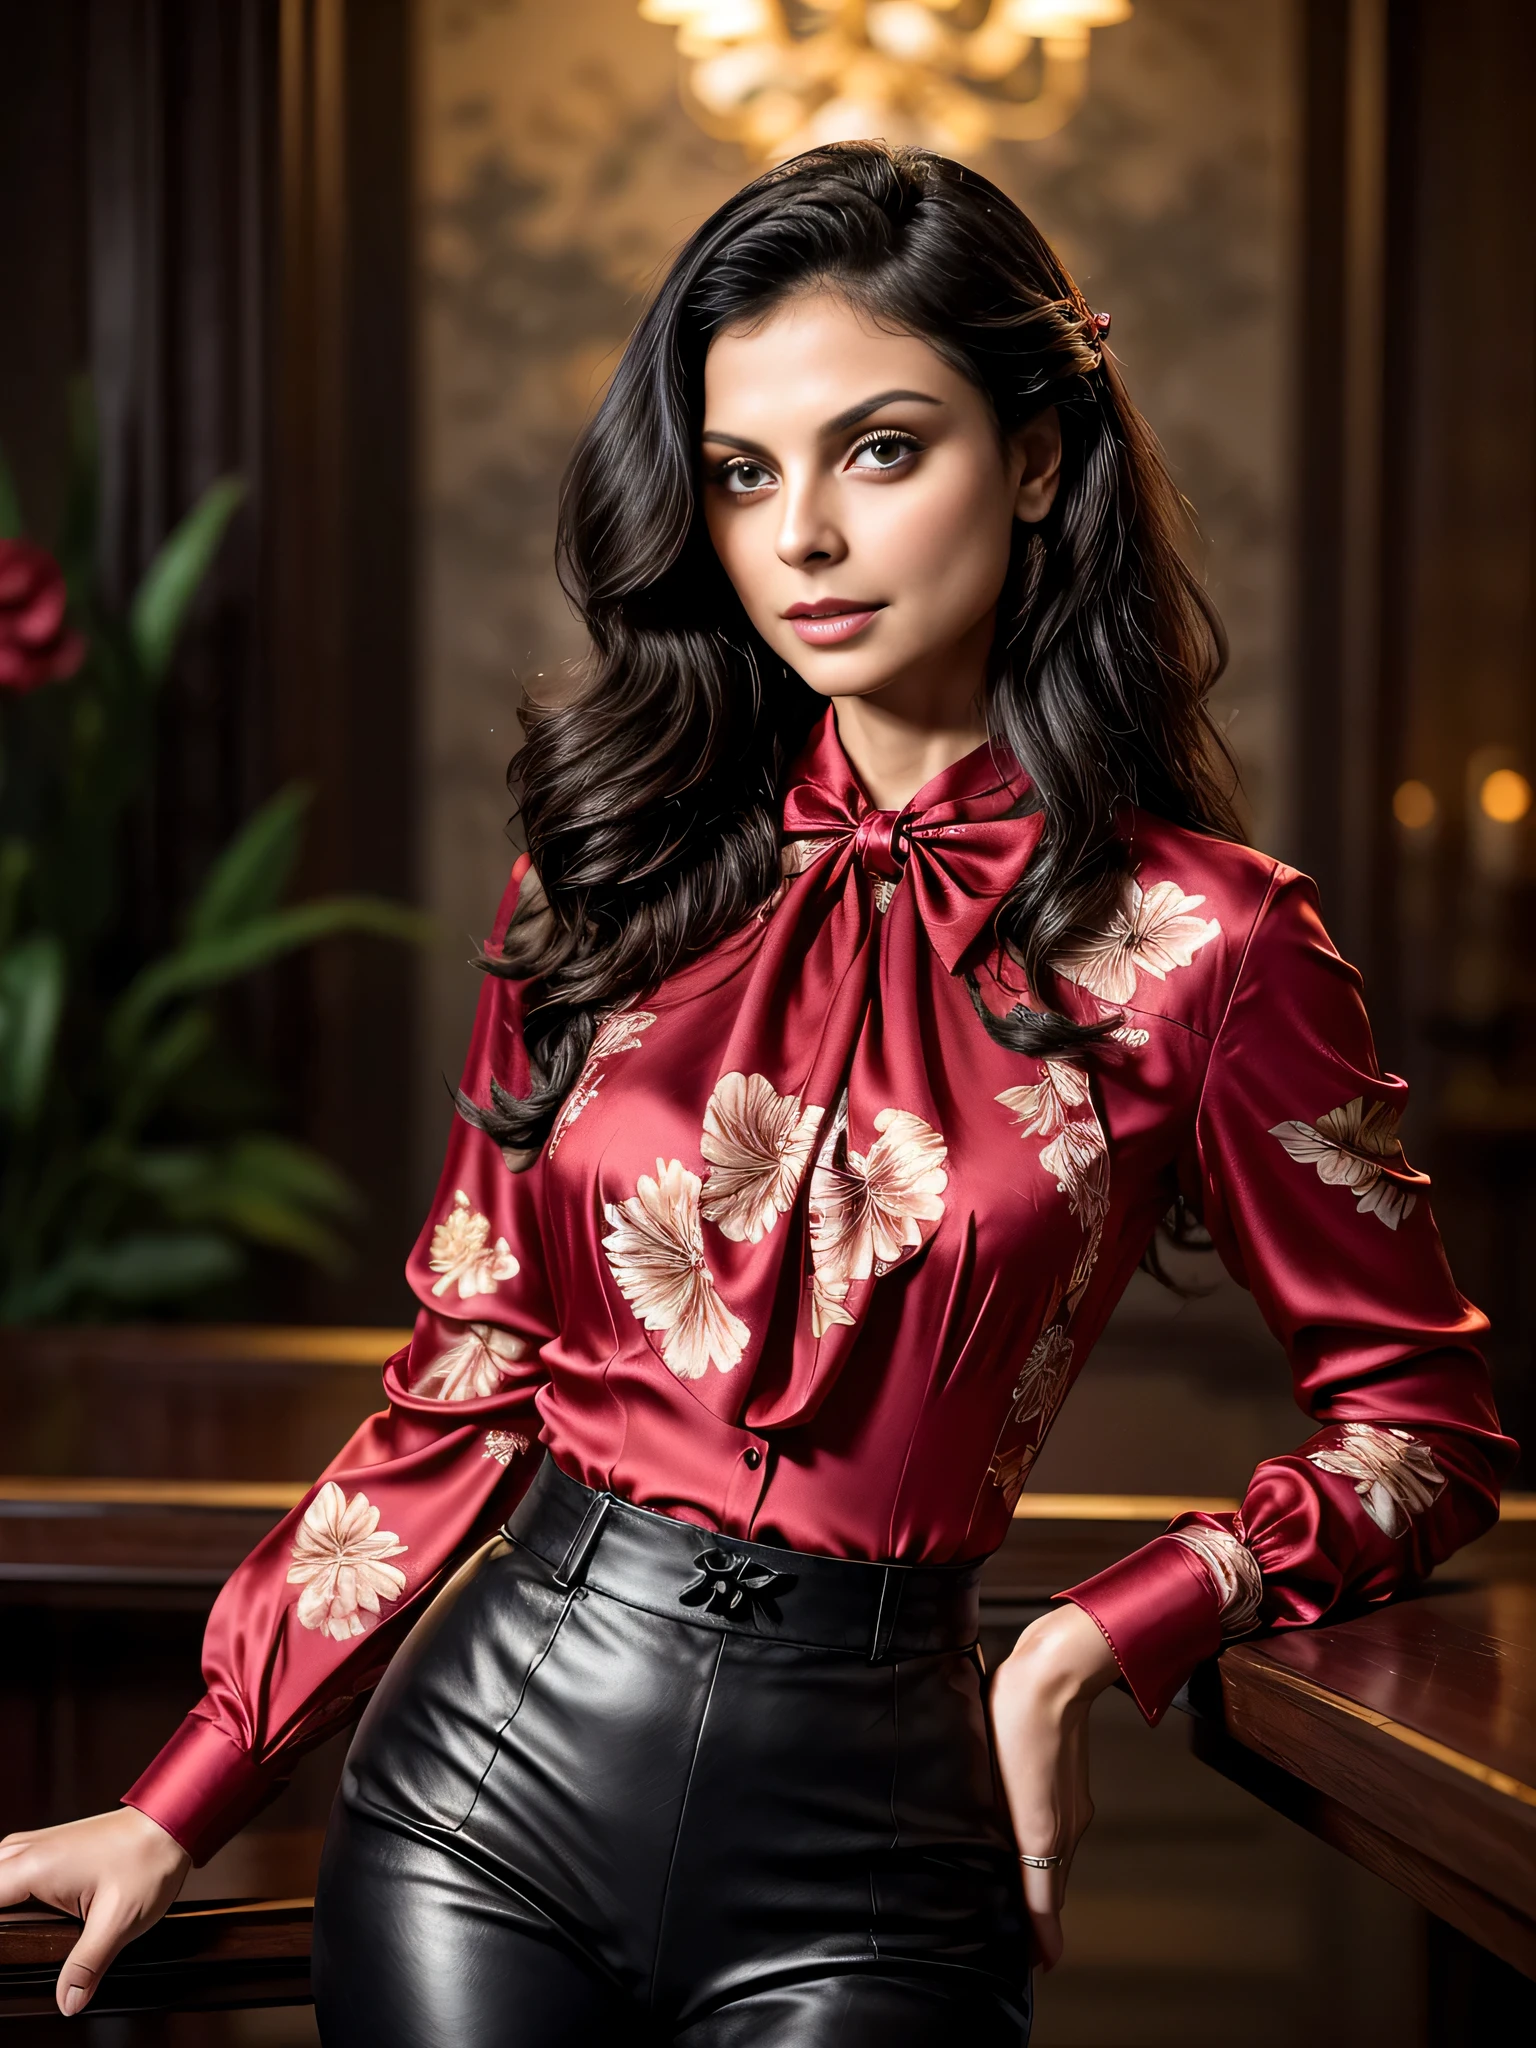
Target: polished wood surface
{"x": 202, "y": 1955}
{"x": 137, "y": 1345}
{"x": 1405, "y": 1737}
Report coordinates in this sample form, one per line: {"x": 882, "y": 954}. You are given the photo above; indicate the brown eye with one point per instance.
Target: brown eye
{"x": 746, "y": 477}
{"x": 883, "y": 451}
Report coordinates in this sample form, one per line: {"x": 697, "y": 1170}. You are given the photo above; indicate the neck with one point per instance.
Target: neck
{"x": 904, "y": 735}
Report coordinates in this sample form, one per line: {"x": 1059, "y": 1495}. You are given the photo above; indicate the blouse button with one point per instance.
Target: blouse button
{"x": 752, "y": 1457}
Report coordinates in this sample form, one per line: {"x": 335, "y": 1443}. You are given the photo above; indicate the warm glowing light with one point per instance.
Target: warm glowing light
{"x": 1061, "y": 17}
{"x": 1505, "y": 796}
{"x": 779, "y": 76}
{"x": 1413, "y": 805}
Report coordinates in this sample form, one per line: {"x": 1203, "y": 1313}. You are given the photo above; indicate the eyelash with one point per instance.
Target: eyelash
{"x": 872, "y": 439}
{"x": 876, "y": 435}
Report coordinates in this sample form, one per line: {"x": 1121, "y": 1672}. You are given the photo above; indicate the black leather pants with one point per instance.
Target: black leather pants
{"x": 581, "y": 1810}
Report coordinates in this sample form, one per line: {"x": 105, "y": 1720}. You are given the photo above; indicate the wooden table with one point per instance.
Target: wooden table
{"x": 1405, "y": 1737}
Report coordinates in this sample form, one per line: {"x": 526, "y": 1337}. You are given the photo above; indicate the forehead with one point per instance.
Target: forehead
{"x": 810, "y": 359}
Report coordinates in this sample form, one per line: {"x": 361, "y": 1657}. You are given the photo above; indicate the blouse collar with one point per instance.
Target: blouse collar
{"x": 960, "y": 837}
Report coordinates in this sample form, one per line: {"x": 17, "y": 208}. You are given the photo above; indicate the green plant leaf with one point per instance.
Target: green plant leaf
{"x": 253, "y": 870}
{"x": 185, "y": 1039}
{"x": 163, "y": 599}
{"x": 174, "y": 1174}
{"x": 261, "y": 1187}
{"x": 211, "y": 962}
{"x": 281, "y": 1194}
{"x": 144, "y": 1268}
{"x": 154, "y": 1265}
{"x": 31, "y": 1001}
{"x": 11, "y": 527}
{"x": 156, "y": 1065}
{"x": 265, "y": 1219}
{"x": 296, "y": 1173}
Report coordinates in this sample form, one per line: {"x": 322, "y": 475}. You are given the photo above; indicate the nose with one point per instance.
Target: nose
{"x": 808, "y": 532}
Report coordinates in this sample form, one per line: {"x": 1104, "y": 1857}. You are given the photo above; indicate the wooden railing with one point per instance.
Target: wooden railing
{"x": 202, "y": 1956}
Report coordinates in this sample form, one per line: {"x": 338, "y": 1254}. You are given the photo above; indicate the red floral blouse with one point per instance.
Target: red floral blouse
{"x": 809, "y": 1258}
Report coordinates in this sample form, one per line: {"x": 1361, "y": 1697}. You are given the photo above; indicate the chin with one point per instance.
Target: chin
{"x": 844, "y": 672}
{"x": 836, "y": 686}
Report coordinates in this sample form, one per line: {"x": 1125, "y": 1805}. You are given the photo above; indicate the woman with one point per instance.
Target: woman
{"x": 888, "y": 966}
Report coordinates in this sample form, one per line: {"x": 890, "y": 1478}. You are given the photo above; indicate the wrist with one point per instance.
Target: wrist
{"x": 158, "y": 1841}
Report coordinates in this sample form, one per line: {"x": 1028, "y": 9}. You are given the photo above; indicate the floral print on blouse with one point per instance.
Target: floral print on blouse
{"x": 809, "y": 1258}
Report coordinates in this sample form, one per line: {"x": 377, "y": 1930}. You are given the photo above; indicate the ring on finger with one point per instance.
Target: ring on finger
{"x": 1040, "y": 1862}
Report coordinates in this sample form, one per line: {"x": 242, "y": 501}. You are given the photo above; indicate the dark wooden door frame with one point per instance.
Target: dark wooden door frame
{"x": 231, "y": 258}
{"x": 344, "y": 613}
{"x": 1342, "y": 740}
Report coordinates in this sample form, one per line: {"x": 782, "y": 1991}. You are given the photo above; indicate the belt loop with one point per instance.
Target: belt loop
{"x": 572, "y": 1568}
{"x": 891, "y": 1580}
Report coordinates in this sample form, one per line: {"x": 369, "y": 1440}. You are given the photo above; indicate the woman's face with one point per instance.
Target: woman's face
{"x": 862, "y": 504}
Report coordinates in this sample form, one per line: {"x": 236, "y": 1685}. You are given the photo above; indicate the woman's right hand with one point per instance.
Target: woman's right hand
{"x": 1041, "y": 1694}
{"x": 115, "y": 1871}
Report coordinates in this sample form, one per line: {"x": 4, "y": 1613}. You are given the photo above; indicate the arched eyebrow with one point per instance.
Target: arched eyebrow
{"x": 839, "y": 425}
{"x": 866, "y": 406}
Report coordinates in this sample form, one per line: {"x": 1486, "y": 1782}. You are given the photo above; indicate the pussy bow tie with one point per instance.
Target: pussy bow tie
{"x": 958, "y": 845}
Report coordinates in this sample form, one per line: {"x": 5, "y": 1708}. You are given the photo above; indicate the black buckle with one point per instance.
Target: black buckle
{"x": 735, "y": 1585}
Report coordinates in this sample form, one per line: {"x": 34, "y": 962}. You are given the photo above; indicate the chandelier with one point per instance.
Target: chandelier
{"x": 780, "y": 76}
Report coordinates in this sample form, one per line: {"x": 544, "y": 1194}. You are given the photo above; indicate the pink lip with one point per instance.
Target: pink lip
{"x": 831, "y": 620}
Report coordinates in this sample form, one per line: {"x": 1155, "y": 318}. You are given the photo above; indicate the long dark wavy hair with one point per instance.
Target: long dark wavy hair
{"x": 651, "y": 796}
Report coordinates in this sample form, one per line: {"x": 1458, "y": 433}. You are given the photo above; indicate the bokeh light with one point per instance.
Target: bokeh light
{"x": 1505, "y": 796}
{"x": 1413, "y": 805}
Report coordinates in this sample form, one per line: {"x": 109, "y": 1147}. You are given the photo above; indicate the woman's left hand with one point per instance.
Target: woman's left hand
{"x": 1039, "y": 1705}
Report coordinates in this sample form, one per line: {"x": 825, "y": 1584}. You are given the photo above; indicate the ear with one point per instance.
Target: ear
{"x": 1036, "y": 449}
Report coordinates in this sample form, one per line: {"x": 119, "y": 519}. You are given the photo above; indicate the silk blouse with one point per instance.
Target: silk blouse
{"x": 808, "y": 1258}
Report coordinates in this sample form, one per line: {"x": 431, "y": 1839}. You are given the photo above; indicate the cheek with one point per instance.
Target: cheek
{"x": 744, "y": 546}
{"x": 946, "y": 538}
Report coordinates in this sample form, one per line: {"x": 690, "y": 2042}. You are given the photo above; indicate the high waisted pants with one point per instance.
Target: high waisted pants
{"x": 574, "y": 1815}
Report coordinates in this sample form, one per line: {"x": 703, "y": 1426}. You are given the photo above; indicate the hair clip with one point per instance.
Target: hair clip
{"x": 1095, "y": 333}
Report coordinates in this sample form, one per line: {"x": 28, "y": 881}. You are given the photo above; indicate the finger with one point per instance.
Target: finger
{"x": 16, "y": 1874}
{"x": 1049, "y": 1943}
{"x": 1044, "y": 1896}
{"x": 107, "y": 1928}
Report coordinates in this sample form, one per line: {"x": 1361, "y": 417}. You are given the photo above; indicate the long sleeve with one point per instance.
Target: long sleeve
{"x": 1296, "y": 1168}
{"x": 303, "y": 1629}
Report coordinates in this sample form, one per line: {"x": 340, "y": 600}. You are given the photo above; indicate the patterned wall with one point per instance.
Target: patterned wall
{"x": 558, "y": 172}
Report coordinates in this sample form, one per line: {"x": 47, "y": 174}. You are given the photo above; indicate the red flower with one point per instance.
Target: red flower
{"x": 37, "y": 644}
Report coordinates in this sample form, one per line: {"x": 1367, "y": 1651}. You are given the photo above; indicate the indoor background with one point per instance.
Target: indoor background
{"x": 377, "y": 259}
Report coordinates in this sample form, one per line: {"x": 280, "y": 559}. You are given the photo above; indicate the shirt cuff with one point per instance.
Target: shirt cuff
{"x": 1161, "y": 1616}
{"x": 202, "y": 1789}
